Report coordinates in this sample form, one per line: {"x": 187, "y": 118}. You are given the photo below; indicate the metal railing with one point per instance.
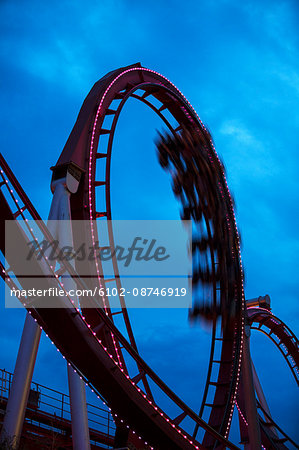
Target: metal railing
{"x": 57, "y": 404}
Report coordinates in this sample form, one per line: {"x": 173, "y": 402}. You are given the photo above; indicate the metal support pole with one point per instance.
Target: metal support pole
{"x": 21, "y": 382}
{"x": 249, "y": 396}
{"x": 259, "y": 391}
{"x": 80, "y": 430}
{"x": 261, "y": 397}
{"x": 62, "y": 230}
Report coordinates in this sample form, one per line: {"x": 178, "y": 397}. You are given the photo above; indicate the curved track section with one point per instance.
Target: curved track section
{"x": 90, "y": 147}
{"x": 78, "y": 342}
{"x": 262, "y": 319}
{"x": 280, "y": 334}
{"x": 270, "y": 431}
{"x": 198, "y": 181}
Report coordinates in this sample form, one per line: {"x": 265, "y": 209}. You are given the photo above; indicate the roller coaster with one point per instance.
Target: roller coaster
{"x": 98, "y": 354}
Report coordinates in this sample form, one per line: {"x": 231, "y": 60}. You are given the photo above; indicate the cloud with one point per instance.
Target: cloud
{"x": 58, "y": 44}
{"x": 250, "y": 157}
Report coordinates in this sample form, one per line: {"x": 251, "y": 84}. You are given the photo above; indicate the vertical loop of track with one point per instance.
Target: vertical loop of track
{"x": 104, "y": 363}
{"x": 84, "y": 148}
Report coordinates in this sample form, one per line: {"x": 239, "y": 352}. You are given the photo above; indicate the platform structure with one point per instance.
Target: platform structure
{"x": 48, "y": 418}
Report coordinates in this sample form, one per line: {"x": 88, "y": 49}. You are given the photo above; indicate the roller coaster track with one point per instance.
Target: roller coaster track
{"x": 261, "y": 319}
{"x": 79, "y": 344}
{"x": 88, "y": 338}
{"x": 280, "y": 334}
{"x": 89, "y": 145}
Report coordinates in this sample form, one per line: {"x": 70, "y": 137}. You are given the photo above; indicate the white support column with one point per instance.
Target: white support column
{"x": 60, "y": 211}
{"x": 21, "y": 382}
{"x": 80, "y": 430}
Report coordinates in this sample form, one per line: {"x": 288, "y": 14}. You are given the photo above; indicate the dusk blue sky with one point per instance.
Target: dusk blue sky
{"x": 237, "y": 62}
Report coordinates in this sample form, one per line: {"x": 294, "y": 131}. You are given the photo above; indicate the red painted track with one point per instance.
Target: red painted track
{"x": 280, "y": 334}
{"x": 87, "y": 149}
{"x": 261, "y": 319}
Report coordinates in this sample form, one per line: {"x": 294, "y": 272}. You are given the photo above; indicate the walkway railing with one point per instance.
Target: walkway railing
{"x": 57, "y": 404}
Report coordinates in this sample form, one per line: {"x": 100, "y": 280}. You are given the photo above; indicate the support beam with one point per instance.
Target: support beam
{"x": 80, "y": 430}
{"x": 249, "y": 396}
{"x": 261, "y": 396}
{"x": 60, "y": 227}
{"x": 21, "y": 382}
